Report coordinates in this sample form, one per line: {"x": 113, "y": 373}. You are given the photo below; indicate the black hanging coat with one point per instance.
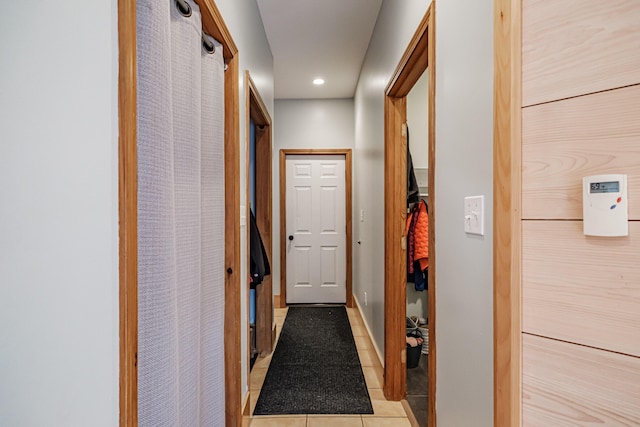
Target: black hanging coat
{"x": 413, "y": 191}
{"x": 259, "y": 265}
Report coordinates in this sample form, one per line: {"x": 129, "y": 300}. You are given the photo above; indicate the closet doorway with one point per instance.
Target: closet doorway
{"x": 259, "y": 197}
{"x": 418, "y": 58}
{"x": 417, "y": 247}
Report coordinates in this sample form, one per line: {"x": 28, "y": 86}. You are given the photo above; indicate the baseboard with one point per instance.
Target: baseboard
{"x": 276, "y": 301}
{"x": 366, "y": 325}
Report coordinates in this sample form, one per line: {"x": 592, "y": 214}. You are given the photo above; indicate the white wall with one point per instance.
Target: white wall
{"x": 305, "y": 123}
{"x": 396, "y": 24}
{"x": 59, "y": 219}
{"x": 464, "y": 167}
{"x": 245, "y": 24}
{"x": 418, "y": 121}
{"x": 464, "y": 138}
{"x": 58, "y": 214}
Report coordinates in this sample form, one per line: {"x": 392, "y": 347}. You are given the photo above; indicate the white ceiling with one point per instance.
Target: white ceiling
{"x": 318, "y": 38}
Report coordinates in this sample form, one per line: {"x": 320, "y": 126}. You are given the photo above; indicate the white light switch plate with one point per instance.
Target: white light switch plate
{"x": 474, "y": 215}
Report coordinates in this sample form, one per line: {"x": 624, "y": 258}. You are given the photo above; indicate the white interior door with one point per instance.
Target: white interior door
{"x": 316, "y": 229}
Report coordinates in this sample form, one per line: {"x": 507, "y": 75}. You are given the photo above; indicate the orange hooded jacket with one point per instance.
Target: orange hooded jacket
{"x": 421, "y": 236}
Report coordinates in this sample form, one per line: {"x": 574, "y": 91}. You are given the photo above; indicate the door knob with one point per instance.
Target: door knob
{"x": 290, "y": 237}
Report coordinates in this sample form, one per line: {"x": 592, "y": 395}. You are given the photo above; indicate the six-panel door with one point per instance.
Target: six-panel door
{"x": 315, "y": 229}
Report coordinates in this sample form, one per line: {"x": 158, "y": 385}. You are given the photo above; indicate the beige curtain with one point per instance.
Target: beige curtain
{"x": 180, "y": 220}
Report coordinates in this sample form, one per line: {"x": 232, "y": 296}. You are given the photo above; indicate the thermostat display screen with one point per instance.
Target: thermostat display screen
{"x": 605, "y": 187}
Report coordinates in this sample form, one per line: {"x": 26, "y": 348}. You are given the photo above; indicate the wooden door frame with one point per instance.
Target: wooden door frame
{"x": 346, "y": 152}
{"x": 213, "y": 24}
{"x": 507, "y": 214}
{"x": 256, "y": 110}
{"x": 418, "y": 57}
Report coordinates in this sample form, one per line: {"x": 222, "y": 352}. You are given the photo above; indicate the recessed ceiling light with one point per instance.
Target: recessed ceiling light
{"x": 318, "y": 82}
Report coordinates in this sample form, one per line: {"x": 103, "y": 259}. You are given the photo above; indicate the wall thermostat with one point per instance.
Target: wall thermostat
{"x": 604, "y": 205}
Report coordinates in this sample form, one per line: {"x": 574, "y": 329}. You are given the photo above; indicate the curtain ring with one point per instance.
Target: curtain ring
{"x": 208, "y": 46}
{"x": 184, "y": 8}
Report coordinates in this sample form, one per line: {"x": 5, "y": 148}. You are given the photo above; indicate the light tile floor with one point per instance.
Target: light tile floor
{"x": 385, "y": 413}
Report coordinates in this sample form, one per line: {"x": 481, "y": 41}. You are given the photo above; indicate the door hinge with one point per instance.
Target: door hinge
{"x": 404, "y": 130}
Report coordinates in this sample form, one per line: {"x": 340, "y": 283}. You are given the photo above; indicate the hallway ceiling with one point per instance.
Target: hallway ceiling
{"x": 311, "y": 39}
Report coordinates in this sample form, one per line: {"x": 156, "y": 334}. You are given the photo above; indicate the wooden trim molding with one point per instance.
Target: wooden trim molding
{"x": 127, "y": 198}
{"x": 414, "y": 61}
{"x": 283, "y": 229}
{"x": 507, "y": 235}
{"x": 232, "y": 324}
{"x": 431, "y": 292}
{"x": 395, "y": 264}
{"x": 128, "y": 213}
{"x": 283, "y": 220}
{"x": 247, "y": 213}
{"x": 418, "y": 57}
{"x": 214, "y": 25}
{"x": 349, "y": 225}
{"x": 258, "y": 109}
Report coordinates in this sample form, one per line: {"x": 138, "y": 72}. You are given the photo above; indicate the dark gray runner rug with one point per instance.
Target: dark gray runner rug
{"x": 315, "y": 368}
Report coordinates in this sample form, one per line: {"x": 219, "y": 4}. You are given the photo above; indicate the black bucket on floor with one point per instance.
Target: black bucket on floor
{"x": 413, "y": 353}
